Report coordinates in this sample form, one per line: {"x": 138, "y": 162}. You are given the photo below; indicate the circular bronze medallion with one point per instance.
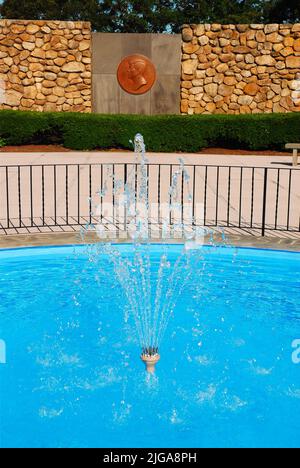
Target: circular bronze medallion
{"x": 136, "y": 74}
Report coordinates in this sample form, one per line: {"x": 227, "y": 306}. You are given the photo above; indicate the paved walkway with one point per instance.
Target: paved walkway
{"x": 46, "y": 197}
{"x": 79, "y": 157}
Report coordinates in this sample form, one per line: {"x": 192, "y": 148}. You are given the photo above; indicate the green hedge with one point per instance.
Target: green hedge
{"x": 161, "y": 133}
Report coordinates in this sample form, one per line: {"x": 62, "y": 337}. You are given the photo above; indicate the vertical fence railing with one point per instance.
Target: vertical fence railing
{"x": 264, "y": 202}
{"x": 56, "y": 196}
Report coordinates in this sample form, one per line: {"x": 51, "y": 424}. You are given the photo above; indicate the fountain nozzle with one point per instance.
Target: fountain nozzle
{"x": 150, "y": 358}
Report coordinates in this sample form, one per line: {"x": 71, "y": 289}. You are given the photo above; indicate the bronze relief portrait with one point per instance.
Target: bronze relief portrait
{"x": 136, "y": 74}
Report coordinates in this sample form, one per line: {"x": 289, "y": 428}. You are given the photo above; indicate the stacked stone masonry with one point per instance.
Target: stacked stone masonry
{"x": 45, "y": 65}
{"x": 237, "y": 69}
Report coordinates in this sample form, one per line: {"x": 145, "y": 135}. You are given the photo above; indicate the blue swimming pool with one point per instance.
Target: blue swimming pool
{"x": 73, "y": 377}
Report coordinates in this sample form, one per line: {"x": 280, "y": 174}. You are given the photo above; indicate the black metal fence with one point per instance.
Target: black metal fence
{"x": 68, "y": 195}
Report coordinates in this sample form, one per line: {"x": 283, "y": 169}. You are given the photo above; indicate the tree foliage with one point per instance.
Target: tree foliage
{"x": 279, "y": 11}
{"x": 153, "y": 15}
{"x": 50, "y": 9}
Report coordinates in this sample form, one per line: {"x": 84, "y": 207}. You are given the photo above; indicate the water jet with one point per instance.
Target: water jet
{"x": 152, "y": 292}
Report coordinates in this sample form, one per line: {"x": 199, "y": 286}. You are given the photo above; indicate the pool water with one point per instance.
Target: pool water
{"x": 73, "y": 377}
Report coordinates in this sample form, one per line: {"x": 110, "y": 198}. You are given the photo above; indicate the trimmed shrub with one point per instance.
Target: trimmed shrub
{"x": 19, "y": 128}
{"x": 165, "y": 133}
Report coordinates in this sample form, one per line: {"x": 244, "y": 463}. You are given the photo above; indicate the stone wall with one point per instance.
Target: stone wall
{"x": 240, "y": 68}
{"x": 45, "y": 65}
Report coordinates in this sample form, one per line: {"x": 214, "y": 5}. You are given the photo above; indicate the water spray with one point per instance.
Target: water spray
{"x": 133, "y": 206}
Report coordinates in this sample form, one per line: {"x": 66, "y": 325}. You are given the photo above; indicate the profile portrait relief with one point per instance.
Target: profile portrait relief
{"x": 136, "y": 74}
{"x": 136, "y": 68}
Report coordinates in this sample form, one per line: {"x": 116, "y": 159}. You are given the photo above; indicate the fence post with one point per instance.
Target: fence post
{"x": 263, "y": 222}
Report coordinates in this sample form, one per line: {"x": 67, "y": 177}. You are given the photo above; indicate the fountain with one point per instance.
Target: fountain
{"x": 151, "y": 292}
{"x": 150, "y": 357}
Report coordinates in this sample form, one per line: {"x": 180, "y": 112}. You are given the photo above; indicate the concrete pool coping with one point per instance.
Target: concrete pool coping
{"x": 67, "y": 238}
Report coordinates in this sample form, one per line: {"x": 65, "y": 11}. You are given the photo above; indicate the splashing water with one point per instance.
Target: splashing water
{"x": 151, "y": 296}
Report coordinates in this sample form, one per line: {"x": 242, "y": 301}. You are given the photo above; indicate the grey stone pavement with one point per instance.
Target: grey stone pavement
{"x": 67, "y": 238}
{"x": 288, "y": 181}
